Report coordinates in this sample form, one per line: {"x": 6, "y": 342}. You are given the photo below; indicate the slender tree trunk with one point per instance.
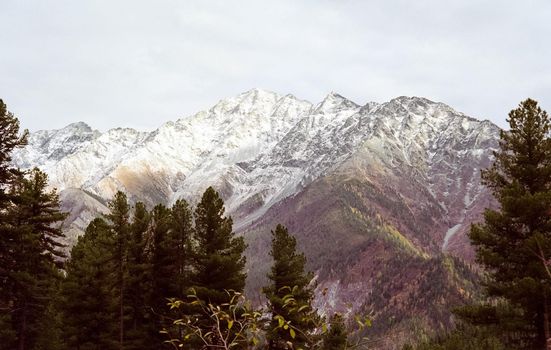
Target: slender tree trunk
{"x": 546, "y": 322}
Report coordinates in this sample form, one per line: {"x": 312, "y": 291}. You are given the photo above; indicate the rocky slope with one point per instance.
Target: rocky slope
{"x": 373, "y": 190}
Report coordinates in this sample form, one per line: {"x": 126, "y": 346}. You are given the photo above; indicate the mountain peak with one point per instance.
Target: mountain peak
{"x": 258, "y": 96}
{"x": 407, "y": 100}
{"x": 76, "y": 127}
{"x": 334, "y": 101}
{"x": 246, "y": 101}
{"x": 79, "y": 125}
{"x": 258, "y": 92}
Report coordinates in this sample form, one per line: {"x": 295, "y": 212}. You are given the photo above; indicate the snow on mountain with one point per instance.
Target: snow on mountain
{"x": 47, "y": 147}
{"x": 260, "y": 147}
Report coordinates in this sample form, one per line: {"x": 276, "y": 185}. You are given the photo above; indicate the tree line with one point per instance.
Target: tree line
{"x": 139, "y": 278}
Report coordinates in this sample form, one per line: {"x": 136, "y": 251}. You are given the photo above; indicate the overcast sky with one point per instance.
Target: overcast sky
{"x": 140, "y": 63}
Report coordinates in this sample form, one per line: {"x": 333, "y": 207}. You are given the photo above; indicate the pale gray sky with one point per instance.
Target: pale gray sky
{"x": 140, "y": 63}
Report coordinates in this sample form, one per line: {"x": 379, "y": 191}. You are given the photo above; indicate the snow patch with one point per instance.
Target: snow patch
{"x": 449, "y": 234}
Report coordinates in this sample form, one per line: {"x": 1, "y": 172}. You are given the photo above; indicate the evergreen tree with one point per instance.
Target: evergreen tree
{"x": 50, "y": 336}
{"x": 219, "y": 261}
{"x": 172, "y": 231}
{"x": 139, "y": 325}
{"x": 171, "y": 236}
{"x": 9, "y": 140}
{"x": 39, "y": 210}
{"x": 514, "y": 242}
{"x": 88, "y": 304}
{"x": 36, "y": 221}
{"x": 287, "y": 276}
{"x": 162, "y": 281}
{"x": 120, "y": 226}
{"x": 163, "y": 278}
{"x": 181, "y": 245}
{"x": 336, "y": 336}
{"x": 178, "y": 265}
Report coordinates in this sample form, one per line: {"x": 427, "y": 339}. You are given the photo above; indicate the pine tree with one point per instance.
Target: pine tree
{"x": 39, "y": 210}
{"x": 162, "y": 281}
{"x": 179, "y": 248}
{"x": 10, "y": 139}
{"x": 139, "y": 325}
{"x": 219, "y": 261}
{"x": 37, "y": 252}
{"x": 120, "y": 226}
{"x": 336, "y": 336}
{"x": 163, "y": 278}
{"x": 88, "y": 305}
{"x": 50, "y": 336}
{"x": 171, "y": 257}
{"x": 287, "y": 276}
{"x": 172, "y": 232}
{"x": 514, "y": 242}
{"x": 181, "y": 245}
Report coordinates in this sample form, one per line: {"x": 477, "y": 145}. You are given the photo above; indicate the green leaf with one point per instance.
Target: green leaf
{"x": 230, "y": 324}
{"x": 292, "y": 333}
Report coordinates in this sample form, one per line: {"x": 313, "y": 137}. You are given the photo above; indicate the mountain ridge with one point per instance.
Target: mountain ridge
{"x": 283, "y": 122}
{"x": 378, "y": 195}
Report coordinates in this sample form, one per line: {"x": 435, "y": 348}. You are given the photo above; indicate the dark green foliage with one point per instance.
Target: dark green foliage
{"x": 287, "y": 276}
{"x": 463, "y": 338}
{"x": 514, "y": 242}
{"x": 35, "y": 221}
{"x": 108, "y": 283}
{"x": 139, "y": 330}
{"x": 181, "y": 245}
{"x": 50, "y": 336}
{"x": 162, "y": 279}
{"x": 170, "y": 260}
{"x": 88, "y": 304}
{"x": 120, "y": 225}
{"x": 38, "y": 210}
{"x": 219, "y": 262}
{"x": 178, "y": 260}
{"x": 9, "y": 233}
{"x": 336, "y": 336}
{"x": 121, "y": 274}
{"x": 508, "y": 320}
{"x": 9, "y": 140}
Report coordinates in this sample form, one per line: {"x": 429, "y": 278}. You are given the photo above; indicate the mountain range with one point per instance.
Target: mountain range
{"x": 379, "y": 195}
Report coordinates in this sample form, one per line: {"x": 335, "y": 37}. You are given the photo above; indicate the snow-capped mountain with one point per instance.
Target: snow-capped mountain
{"x": 374, "y": 193}
{"x": 260, "y": 147}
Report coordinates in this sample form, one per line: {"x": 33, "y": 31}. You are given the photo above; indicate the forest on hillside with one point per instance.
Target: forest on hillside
{"x": 174, "y": 277}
